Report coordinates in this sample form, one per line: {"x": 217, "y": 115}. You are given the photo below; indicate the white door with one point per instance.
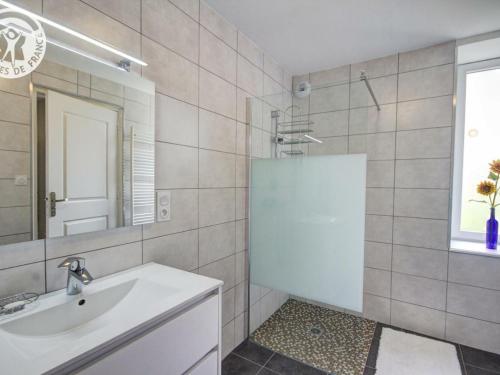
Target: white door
{"x": 81, "y": 166}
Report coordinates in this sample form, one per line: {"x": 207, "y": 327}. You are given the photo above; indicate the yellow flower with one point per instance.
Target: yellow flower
{"x": 486, "y": 188}
{"x": 495, "y": 166}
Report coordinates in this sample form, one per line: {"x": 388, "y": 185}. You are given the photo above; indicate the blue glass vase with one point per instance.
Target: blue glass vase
{"x": 492, "y": 231}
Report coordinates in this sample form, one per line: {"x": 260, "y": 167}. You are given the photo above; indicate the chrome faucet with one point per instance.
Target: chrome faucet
{"x": 78, "y": 276}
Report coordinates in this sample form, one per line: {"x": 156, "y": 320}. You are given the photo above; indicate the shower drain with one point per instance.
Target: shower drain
{"x": 317, "y": 330}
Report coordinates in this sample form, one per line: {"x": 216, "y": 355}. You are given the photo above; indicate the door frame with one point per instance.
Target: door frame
{"x": 42, "y": 90}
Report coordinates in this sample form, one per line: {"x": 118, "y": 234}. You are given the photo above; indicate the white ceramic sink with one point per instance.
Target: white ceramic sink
{"x": 59, "y": 328}
{"x": 67, "y": 316}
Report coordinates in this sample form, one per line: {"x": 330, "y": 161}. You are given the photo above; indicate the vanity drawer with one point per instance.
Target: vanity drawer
{"x": 172, "y": 348}
{"x": 207, "y": 366}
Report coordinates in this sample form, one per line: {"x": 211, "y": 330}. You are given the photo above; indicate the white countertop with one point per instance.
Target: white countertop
{"x": 158, "y": 292}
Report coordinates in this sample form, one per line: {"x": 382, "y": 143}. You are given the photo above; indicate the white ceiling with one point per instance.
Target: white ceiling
{"x": 311, "y": 35}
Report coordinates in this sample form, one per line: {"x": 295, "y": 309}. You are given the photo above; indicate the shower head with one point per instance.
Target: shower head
{"x": 302, "y": 90}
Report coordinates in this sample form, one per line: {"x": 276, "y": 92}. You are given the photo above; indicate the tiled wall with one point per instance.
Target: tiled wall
{"x": 204, "y": 69}
{"x": 411, "y": 279}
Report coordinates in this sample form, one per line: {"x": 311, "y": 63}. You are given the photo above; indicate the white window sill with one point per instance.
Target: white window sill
{"x": 476, "y": 248}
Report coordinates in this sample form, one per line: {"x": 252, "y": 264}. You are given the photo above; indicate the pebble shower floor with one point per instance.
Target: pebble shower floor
{"x": 326, "y": 339}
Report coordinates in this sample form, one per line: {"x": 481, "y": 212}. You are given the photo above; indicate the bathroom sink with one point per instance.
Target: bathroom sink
{"x": 59, "y": 330}
{"x": 82, "y": 309}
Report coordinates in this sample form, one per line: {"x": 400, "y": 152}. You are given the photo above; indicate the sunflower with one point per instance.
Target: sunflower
{"x": 486, "y": 188}
{"x": 495, "y": 166}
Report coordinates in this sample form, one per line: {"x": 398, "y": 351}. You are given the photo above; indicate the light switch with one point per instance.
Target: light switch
{"x": 163, "y": 205}
{"x": 21, "y": 180}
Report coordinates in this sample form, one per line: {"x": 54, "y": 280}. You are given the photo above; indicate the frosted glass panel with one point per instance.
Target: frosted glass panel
{"x": 307, "y": 224}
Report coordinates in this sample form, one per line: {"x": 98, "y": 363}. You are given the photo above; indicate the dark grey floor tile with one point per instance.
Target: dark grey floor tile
{"x": 479, "y": 371}
{"x": 253, "y": 352}
{"x": 481, "y": 359}
{"x": 266, "y": 371}
{"x": 372, "y": 355}
{"x": 369, "y": 371}
{"x": 288, "y": 366}
{"x": 235, "y": 365}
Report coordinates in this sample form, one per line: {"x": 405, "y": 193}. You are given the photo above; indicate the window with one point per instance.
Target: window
{"x": 477, "y": 143}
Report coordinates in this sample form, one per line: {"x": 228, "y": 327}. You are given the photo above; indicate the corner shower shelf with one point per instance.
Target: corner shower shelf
{"x": 296, "y": 131}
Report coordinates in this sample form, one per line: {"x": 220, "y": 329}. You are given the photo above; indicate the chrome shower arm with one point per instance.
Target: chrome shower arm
{"x": 364, "y": 78}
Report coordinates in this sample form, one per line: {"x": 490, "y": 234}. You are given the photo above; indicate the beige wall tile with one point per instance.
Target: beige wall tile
{"x": 15, "y": 220}
{"x": 370, "y": 120}
{"x": 426, "y": 113}
{"x": 176, "y": 121}
{"x": 426, "y": 233}
{"x": 250, "y": 50}
{"x": 178, "y": 250}
{"x": 168, "y": 25}
{"x": 217, "y": 242}
{"x": 15, "y": 108}
{"x": 173, "y": 75}
{"x": 227, "y": 306}
{"x": 378, "y": 255}
{"x": 425, "y": 83}
{"x": 250, "y": 78}
{"x": 473, "y": 302}
{"x": 380, "y": 173}
{"x": 17, "y": 254}
{"x": 217, "y": 169}
{"x": 15, "y": 137}
{"x": 377, "y": 308}
{"x": 218, "y": 25}
{"x": 331, "y": 124}
{"x": 272, "y": 69}
{"x": 379, "y": 146}
{"x": 474, "y": 270}
{"x": 191, "y": 7}
{"x": 217, "y": 95}
{"x": 423, "y": 203}
{"x": 330, "y": 146}
{"x": 417, "y": 318}
{"x": 27, "y": 278}
{"x": 423, "y": 173}
{"x": 222, "y": 269}
{"x": 377, "y": 282}
{"x": 420, "y": 262}
{"x": 427, "y": 57}
{"x": 14, "y": 195}
{"x": 378, "y": 228}
{"x": 379, "y": 201}
{"x": 216, "y": 56}
{"x": 217, "y": 132}
{"x": 176, "y": 166}
{"x": 333, "y": 98}
{"x": 330, "y": 77}
{"x": 419, "y": 290}
{"x": 380, "y": 67}
{"x": 127, "y": 12}
{"x": 427, "y": 143}
{"x": 216, "y": 206}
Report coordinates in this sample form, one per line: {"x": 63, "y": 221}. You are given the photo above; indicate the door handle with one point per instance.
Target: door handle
{"x": 53, "y": 201}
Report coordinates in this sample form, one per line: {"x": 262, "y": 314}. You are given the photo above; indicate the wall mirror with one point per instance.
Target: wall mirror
{"x": 76, "y": 149}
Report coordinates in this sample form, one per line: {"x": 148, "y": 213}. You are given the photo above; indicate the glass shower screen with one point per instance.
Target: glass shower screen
{"x": 307, "y": 219}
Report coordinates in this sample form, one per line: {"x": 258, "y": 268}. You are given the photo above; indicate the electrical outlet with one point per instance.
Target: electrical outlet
{"x": 21, "y": 180}
{"x": 163, "y": 205}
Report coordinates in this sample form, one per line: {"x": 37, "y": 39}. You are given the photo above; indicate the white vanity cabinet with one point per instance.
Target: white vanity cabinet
{"x": 186, "y": 343}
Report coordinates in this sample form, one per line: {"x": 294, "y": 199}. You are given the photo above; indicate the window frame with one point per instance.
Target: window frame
{"x": 460, "y": 100}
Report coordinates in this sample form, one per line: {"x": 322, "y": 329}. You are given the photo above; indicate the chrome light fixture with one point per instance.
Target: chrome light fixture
{"x": 123, "y": 55}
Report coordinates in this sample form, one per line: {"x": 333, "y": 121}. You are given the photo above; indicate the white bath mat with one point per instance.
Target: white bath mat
{"x": 402, "y": 353}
